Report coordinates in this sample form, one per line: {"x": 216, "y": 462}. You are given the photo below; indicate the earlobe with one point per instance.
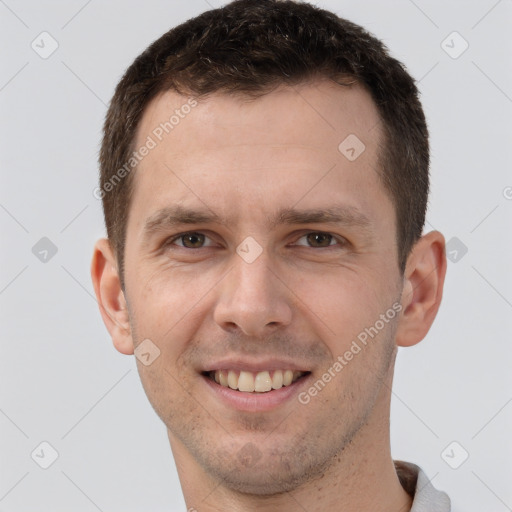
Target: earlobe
{"x": 423, "y": 288}
{"x": 110, "y": 296}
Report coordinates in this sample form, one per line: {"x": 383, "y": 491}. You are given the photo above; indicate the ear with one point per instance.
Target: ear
{"x": 110, "y": 296}
{"x": 423, "y": 288}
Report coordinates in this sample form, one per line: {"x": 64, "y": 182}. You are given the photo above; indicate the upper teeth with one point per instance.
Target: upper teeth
{"x": 257, "y": 381}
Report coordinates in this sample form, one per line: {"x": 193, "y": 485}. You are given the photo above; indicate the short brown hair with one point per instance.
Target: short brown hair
{"x": 250, "y": 48}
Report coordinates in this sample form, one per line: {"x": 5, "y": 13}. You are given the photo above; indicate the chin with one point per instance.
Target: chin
{"x": 260, "y": 481}
{"x": 248, "y": 471}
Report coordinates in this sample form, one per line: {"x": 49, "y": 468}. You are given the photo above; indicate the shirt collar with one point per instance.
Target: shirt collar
{"x": 426, "y": 498}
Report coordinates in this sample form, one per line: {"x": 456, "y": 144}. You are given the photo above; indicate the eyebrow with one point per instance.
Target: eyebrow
{"x": 178, "y": 215}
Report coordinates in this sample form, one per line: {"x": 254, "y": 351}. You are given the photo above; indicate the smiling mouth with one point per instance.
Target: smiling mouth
{"x": 255, "y": 382}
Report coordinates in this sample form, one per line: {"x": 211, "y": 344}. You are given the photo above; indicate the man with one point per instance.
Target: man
{"x": 264, "y": 176}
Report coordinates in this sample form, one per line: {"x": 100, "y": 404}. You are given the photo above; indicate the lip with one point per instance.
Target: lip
{"x": 255, "y": 402}
{"x": 254, "y": 366}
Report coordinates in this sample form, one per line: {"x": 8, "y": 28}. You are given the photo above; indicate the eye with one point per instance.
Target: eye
{"x": 191, "y": 240}
{"x": 198, "y": 240}
{"x": 318, "y": 239}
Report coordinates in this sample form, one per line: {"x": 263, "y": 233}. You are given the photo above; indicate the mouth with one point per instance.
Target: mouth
{"x": 266, "y": 381}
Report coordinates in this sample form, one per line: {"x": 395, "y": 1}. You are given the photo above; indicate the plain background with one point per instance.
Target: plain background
{"x": 61, "y": 379}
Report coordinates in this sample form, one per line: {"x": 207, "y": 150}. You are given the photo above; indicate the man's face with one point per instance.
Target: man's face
{"x": 257, "y": 288}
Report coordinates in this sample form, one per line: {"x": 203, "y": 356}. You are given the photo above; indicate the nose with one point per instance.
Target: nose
{"x": 253, "y": 299}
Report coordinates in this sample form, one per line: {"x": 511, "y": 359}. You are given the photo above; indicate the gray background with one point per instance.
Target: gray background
{"x": 61, "y": 379}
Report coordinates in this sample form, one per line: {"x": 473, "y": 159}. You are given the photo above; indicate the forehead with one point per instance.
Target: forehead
{"x": 319, "y": 113}
{"x": 318, "y": 140}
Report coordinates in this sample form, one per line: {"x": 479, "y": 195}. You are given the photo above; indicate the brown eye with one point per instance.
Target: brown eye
{"x": 192, "y": 240}
{"x": 319, "y": 239}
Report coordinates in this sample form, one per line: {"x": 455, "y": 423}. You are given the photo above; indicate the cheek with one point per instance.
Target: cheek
{"x": 165, "y": 302}
{"x": 165, "y": 388}
{"x": 342, "y": 302}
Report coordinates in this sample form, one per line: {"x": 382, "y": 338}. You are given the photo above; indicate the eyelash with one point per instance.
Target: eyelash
{"x": 341, "y": 241}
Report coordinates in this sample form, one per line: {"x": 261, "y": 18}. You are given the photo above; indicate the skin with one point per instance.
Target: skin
{"x": 244, "y": 160}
